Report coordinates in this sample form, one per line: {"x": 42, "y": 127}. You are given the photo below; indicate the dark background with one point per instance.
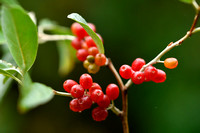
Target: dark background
{"x": 130, "y": 29}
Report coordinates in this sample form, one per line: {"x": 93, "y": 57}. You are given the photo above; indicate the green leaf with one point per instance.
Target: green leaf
{"x": 33, "y": 94}
{"x": 76, "y": 17}
{"x": 187, "y": 1}
{"x": 10, "y": 2}
{"x": 4, "y": 87}
{"x": 9, "y": 70}
{"x": 21, "y": 35}
{"x": 66, "y": 57}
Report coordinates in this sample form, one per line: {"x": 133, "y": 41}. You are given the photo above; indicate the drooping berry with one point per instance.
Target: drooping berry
{"x": 93, "y": 51}
{"x": 125, "y": 71}
{"x": 97, "y": 95}
{"x": 74, "y": 105}
{"x": 85, "y": 102}
{"x": 138, "y": 77}
{"x": 160, "y": 76}
{"x": 99, "y": 114}
{"x": 93, "y": 68}
{"x": 112, "y": 91}
{"x": 105, "y": 102}
{"x": 82, "y": 54}
{"x": 76, "y": 43}
{"x": 68, "y": 84}
{"x": 149, "y": 73}
{"x": 137, "y": 64}
{"x": 171, "y": 63}
{"x": 95, "y": 86}
{"x": 77, "y": 91}
{"x": 86, "y": 81}
{"x": 90, "y": 42}
{"x": 100, "y": 59}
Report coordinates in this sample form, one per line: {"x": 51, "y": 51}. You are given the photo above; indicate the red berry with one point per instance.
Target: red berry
{"x": 105, "y": 102}
{"x": 100, "y": 59}
{"x": 138, "y": 77}
{"x": 92, "y": 26}
{"x": 84, "y": 45}
{"x": 76, "y": 43}
{"x": 112, "y": 91}
{"x": 160, "y": 76}
{"x": 93, "y": 51}
{"x": 77, "y": 91}
{"x": 67, "y": 85}
{"x": 97, "y": 95}
{"x": 137, "y": 64}
{"x": 86, "y": 81}
{"x": 99, "y": 114}
{"x": 90, "y": 42}
{"x": 78, "y": 30}
{"x": 94, "y": 86}
{"x": 149, "y": 73}
{"x": 82, "y": 54}
{"x": 85, "y": 102}
{"x": 74, "y": 105}
{"x": 126, "y": 71}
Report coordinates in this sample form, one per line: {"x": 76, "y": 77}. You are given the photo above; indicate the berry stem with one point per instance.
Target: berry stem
{"x": 114, "y": 109}
{"x": 172, "y": 45}
{"x": 62, "y": 93}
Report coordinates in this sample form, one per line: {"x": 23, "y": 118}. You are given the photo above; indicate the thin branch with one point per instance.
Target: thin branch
{"x": 195, "y": 4}
{"x": 170, "y": 46}
{"x": 116, "y": 74}
{"x": 62, "y": 93}
{"x": 114, "y": 109}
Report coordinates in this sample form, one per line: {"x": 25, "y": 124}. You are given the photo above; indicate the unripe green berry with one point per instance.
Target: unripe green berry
{"x": 86, "y": 64}
{"x": 93, "y": 68}
{"x": 90, "y": 58}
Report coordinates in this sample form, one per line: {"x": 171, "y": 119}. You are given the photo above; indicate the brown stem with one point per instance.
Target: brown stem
{"x": 124, "y": 114}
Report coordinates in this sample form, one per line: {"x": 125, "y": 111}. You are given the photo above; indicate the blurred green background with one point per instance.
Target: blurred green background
{"x": 130, "y": 29}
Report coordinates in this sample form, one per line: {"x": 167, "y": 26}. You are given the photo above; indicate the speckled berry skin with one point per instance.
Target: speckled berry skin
{"x": 112, "y": 91}
{"x": 137, "y": 64}
{"x": 86, "y": 81}
{"x": 99, "y": 114}
{"x": 68, "y": 84}
{"x": 125, "y": 71}
{"x": 138, "y": 77}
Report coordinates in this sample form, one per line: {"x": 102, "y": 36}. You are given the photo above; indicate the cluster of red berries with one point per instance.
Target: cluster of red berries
{"x": 87, "y": 50}
{"x": 88, "y": 92}
{"x": 150, "y": 73}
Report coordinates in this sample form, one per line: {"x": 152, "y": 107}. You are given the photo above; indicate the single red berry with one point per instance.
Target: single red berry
{"x": 85, "y": 102}
{"x": 105, "y": 102}
{"x": 138, "y": 77}
{"x": 100, "y": 59}
{"x": 90, "y": 42}
{"x": 160, "y": 76}
{"x": 93, "y": 51}
{"x": 149, "y": 73}
{"x": 86, "y": 81}
{"x": 95, "y": 86}
{"x": 137, "y": 64}
{"x": 112, "y": 91}
{"x": 125, "y": 71}
{"x": 99, "y": 114}
{"x": 84, "y": 45}
{"x": 92, "y": 26}
{"x": 82, "y": 54}
{"x": 74, "y": 105}
{"x": 78, "y": 30}
{"x": 77, "y": 91}
{"x": 68, "y": 84}
{"x": 97, "y": 95}
{"x": 171, "y": 63}
{"x": 76, "y": 43}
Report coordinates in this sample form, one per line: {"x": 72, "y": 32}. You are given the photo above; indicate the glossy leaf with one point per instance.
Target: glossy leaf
{"x": 33, "y": 94}
{"x": 187, "y": 1}
{"x": 9, "y": 70}
{"x": 76, "y": 17}
{"x": 21, "y": 35}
